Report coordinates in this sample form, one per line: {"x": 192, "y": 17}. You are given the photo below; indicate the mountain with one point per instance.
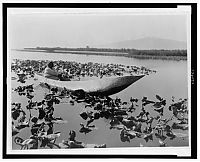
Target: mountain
{"x": 148, "y": 43}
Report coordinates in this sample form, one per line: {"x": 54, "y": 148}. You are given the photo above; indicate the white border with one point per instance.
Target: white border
{"x": 180, "y": 151}
{"x": 103, "y": 11}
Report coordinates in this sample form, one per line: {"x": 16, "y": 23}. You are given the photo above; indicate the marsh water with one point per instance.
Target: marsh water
{"x": 169, "y": 80}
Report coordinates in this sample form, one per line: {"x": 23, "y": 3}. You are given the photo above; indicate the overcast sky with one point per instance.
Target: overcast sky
{"x": 80, "y": 30}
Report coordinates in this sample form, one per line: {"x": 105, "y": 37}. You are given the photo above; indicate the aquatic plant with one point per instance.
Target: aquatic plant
{"x": 132, "y": 119}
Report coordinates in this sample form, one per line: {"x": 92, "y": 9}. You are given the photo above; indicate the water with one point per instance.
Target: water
{"x": 170, "y": 80}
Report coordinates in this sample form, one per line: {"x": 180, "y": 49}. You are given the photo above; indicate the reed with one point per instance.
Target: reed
{"x": 131, "y": 53}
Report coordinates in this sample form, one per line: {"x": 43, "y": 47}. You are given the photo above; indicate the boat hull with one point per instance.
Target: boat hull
{"x": 105, "y": 86}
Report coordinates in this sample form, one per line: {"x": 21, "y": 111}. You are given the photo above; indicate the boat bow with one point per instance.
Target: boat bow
{"x": 104, "y": 86}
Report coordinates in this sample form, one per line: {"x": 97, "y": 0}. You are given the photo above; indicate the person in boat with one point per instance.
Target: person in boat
{"x": 50, "y": 73}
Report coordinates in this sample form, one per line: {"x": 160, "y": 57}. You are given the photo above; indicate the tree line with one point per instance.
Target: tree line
{"x": 130, "y": 52}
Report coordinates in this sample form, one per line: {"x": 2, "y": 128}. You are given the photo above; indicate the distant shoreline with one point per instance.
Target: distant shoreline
{"x": 130, "y": 53}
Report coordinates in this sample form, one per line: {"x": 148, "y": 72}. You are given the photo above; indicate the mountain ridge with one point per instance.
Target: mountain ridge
{"x": 147, "y": 43}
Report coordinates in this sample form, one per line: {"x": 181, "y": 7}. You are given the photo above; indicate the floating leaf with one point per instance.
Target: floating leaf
{"x": 132, "y": 134}
{"x": 180, "y": 126}
{"x": 162, "y": 137}
{"x": 171, "y": 135}
{"x": 114, "y": 122}
{"x": 159, "y": 110}
{"x": 28, "y": 142}
{"x": 118, "y": 127}
{"x": 15, "y": 114}
{"x": 64, "y": 145}
{"x": 22, "y": 125}
{"x": 44, "y": 142}
{"x": 144, "y": 99}
{"x": 148, "y": 137}
{"x": 72, "y": 135}
{"x": 89, "y": 121}
{"x": 146, "y": 102}
{"x": 123, "y": 136}
{"x": 84, "y": 129}
{"x": 15, "y": 131}
{"x": 84, "y": 115}
{"x": 128, "y": 123}
{"x": 18, "y": 140}
{"x": 74, "y": 144}
{"x": 41, "y": 113}
{"x": 96, "y": 116}
{"x": 157, "y": 105}
{"x": 120, "y": 112}
{"x": 29, "y": 96}
{"x": 159, "y": 98}
{"x": 162, "y": 143}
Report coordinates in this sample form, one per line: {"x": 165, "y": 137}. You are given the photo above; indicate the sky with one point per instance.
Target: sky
{"x": 71, "y": 29}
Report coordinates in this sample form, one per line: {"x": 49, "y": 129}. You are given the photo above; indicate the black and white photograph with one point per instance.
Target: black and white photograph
{"x": 89, "y": 80}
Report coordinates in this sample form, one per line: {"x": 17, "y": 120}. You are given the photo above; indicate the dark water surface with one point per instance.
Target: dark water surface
{"x": 170, "y": 80}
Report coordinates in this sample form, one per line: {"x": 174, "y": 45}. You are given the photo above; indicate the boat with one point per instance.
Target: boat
{"x": 104, "y": 86}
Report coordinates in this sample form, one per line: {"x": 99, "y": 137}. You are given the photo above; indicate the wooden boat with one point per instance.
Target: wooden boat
{"x": 104, "y": 86}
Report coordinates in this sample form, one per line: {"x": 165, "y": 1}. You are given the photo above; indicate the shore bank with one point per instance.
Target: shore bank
{"x": 138, "y": 54}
